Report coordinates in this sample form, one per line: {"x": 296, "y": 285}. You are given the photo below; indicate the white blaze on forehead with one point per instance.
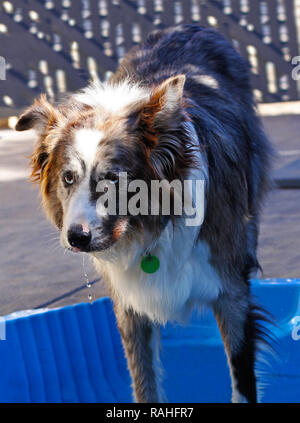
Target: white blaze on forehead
{"x": 112, "y": 97}
{"x": 86, "y": 144}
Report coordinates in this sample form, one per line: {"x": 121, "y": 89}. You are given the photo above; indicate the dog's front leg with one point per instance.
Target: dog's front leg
{"x": 140, "y": 342}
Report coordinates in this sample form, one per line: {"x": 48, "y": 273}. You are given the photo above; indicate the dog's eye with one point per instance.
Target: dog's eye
{"x": 68, "y": 178}
{"x": 112, "y": 177}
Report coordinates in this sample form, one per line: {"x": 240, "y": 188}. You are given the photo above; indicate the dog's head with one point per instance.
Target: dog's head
{"x": 94, "y": 137}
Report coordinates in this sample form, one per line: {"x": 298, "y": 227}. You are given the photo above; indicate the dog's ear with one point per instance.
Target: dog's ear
{"x": 167, "y": 97}
{"x": 39, "y": 116}
{"x": 163, "y": 108}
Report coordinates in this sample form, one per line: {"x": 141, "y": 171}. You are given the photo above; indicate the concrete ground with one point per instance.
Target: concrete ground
{"x": 36, "y": 272}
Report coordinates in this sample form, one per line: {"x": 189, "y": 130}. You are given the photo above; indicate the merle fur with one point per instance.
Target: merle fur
{"x": 238, "y": 155}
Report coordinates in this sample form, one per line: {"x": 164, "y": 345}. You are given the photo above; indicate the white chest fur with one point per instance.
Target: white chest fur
{"x": 185, "y": 277}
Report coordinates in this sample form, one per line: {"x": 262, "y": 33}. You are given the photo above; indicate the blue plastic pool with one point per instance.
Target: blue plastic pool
{"x": 74, "y": 354}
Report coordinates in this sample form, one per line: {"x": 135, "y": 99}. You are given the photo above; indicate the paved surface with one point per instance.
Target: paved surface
{"x": 35, "y": 271}
{"x": 279, "y": 243}
{"x": 288, "y": 176}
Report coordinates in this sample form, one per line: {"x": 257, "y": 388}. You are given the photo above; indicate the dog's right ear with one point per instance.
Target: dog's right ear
{"x": 39, "y": 116}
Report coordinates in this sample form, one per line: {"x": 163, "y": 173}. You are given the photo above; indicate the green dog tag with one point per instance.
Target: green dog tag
{"x": 150, "y": 263}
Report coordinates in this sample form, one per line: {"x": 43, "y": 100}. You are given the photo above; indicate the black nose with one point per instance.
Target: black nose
{"x": 79, "y": 238}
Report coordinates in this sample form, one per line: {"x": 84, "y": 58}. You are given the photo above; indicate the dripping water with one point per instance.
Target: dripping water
{"x": 87, "y": 281}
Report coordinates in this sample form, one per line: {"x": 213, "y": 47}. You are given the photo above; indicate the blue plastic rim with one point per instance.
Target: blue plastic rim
{"x": 74, "y": 354}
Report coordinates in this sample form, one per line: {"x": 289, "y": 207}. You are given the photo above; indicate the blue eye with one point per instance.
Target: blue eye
{"x": 68, "y": 178}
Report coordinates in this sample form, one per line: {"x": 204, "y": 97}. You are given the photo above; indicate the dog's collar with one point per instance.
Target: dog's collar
{"x": 149, "y": 262}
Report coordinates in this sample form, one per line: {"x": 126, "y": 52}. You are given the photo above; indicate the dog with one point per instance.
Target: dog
{"x": 179, "y": 107}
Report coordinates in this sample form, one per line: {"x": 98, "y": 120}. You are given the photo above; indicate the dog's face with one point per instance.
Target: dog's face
{"x": 84, "y": 142}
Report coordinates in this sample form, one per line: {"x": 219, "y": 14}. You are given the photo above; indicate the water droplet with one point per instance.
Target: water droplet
{"x": 87, "y": 281}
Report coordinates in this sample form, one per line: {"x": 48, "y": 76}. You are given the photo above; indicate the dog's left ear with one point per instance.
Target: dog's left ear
{"x": 166, "y": 99}
{"x": 168, "y": 95}
{"x": 39, "y": 116}
{"x": 162, "y": 109}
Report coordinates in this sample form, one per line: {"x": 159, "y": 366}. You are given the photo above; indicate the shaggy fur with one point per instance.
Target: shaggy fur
{"x": 180, "y": 106}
